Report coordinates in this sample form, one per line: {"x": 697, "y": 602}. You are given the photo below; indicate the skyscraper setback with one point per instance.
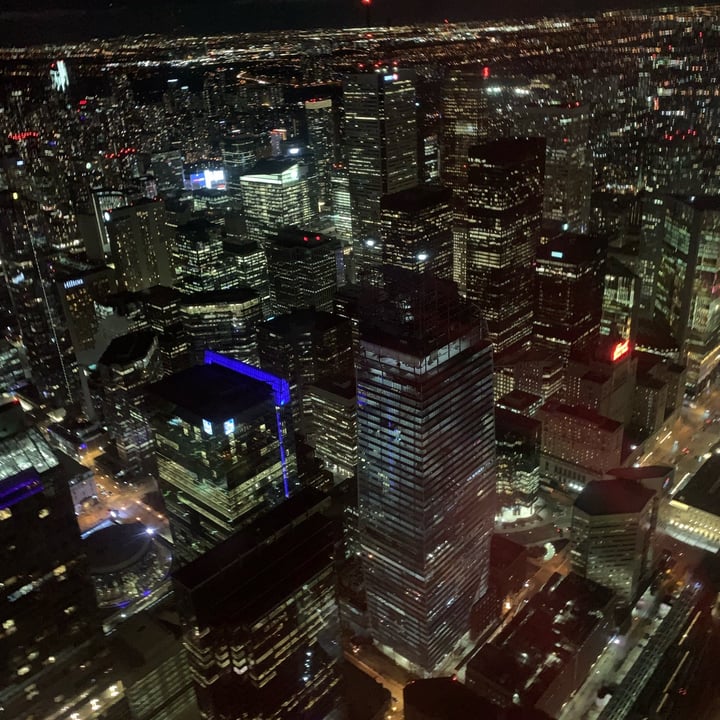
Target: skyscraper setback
{"x": 504, "y": 206}
{"x": 427, "y": 474}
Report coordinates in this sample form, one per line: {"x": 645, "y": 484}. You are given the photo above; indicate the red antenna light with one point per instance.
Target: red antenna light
{"x": 486, "y": 72}
{"x": 366, "y": 2}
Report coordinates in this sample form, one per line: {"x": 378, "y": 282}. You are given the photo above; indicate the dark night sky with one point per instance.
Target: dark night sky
{"x": 24, "y": 22}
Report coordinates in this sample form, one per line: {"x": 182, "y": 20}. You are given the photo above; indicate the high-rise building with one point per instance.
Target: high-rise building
{"x": 613, "y": 524}
{"x": 305, "y": 269}
{"x": 261, "y": 618}
{"x": 341, "y": 204}
{"x": 277, "y": 193}
{"x": 621, "y": 300}
{"x": 568, "y": 160}
{"x": 225, "y": 449}
{"x": 239, "y": 156}
{"x": 51, "y": 648}
{"x": 222, "y": 320}
{"x": 322, "y": 139}
{"x": 464, "y": 111}
{"x": 381, "y": 149}
{"x": 246, "y": 265}
{"x": 504, "y": 206}
{"x": 426, "y": 480}
{"x": 333, "y": 429}
{"x": 416, "y": 230}
{"x": 139, "y": 245}
{"x": 31, "y": 304}
{"x": 162, "y": 310}
{"x": 130, "y": 363}
{"x": 306, "y": 347}
{"x": 197, "y": 255}
{"x": 686, "y": 286}
{"x": 578, "y": 444}
{"x": 569, "y": 292}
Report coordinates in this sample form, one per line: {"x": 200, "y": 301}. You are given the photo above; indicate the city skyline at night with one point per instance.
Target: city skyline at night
{"x": 359, "y": 360}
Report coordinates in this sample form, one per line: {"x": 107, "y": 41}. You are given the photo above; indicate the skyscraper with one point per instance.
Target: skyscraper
{"x": 222, "y": 320}
{"x": 416, "y": 230}
{"x": 305, "y": 269}
{"x": 504, "y": 206}
{"x": 277, "y": 193}
{"x": 381, "y": 149}
{"x": 426, "y": 479}
{"x": 239, "y": 156}
{"x": 568, "y": 159}
{"x": 225, "y": 449}
{"x": 139, "y": 245}
{"x": 306, "y": 347}
{"x": 613, "y": 523}
{"x": 130, "y": 363}
{"x": 322, "y": 139}
{"x": 464, "y": 117}
{"x": 260, "y": 616}
{"x": 198, "y": 257}
{"x": 569, "y": 292}
{"x": 49, "y": 625}
{"x": 686, "y": 285}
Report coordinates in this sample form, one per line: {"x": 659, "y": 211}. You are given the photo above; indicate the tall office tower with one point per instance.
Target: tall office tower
{"x": 277, "y": 193}
{"x": 306, "y": 347}
{"x": 381, "y": 149}
{"x": 305, "y": 269}
{"x": 246, "y": 263}
{"x": 78, "y": 286}
{"x": 197, "y": 255}
{"x": 568, "y": 160}
{"x": 164, "y": 317}
{"x": 31, "y": 304}
{"x": 322, "y": 138}
{"x": 333, "y": 425}
{"x": 341, "y": 205}
{"x": 465, "y": 124}
{"x": 222, "y": 320}
{"x": 130, "y": 363}
{"x": 260, "y": 615}
{"x": 50, "y": 638}
{"x": 621, "y": 301}
{"x": 416, "y": 230}
{"x": 613, "y": 524}
{"x": 225, "y": 449}
{"x": 93, "y": 224}
{"x": 504, "y": 206}
{"x": 686, "y": 286}
{"x": 139, "y": 245}
{"x": 569, "y": 292}
{"x": 426, "y": 480}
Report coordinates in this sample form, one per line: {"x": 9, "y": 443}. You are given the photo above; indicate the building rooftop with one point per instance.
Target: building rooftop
{"x": 571, "y": 248}
{"x": 292, "y": 237}
{"x": 302, "y": 321}
{"x": 703, "y": 489}
{"x": 701, "y": 202}
{"x": 128, "y": 348}
{"x": 616, "y": 496}
{"x": 507, "y": 152}
{"x": 271, "y": 166}
{"x": 582, "y": 413}
{"x": 519, "y": 401}
{"x": 212, "y": 392}
{"x": 416, "y": 199}
{"x": 234, "y": 296}
{"x": 543, "y": 639}
{"x": 116, "y": 547}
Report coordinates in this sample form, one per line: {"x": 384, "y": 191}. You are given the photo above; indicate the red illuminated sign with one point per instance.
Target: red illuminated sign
{"x": 620, "y": 350}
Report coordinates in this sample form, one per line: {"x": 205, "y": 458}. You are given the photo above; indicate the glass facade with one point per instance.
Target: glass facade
{"x": 504, "y": 207}
{"x": 426, "y": 483}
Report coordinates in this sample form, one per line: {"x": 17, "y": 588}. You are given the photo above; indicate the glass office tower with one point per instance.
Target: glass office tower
{"x": 427, "y": 468}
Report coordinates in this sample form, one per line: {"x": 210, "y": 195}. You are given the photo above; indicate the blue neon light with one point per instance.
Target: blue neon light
{"x": 18, "y": 488}
{"x": 280, "y": 387}
{"x": 281, "y": 391}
